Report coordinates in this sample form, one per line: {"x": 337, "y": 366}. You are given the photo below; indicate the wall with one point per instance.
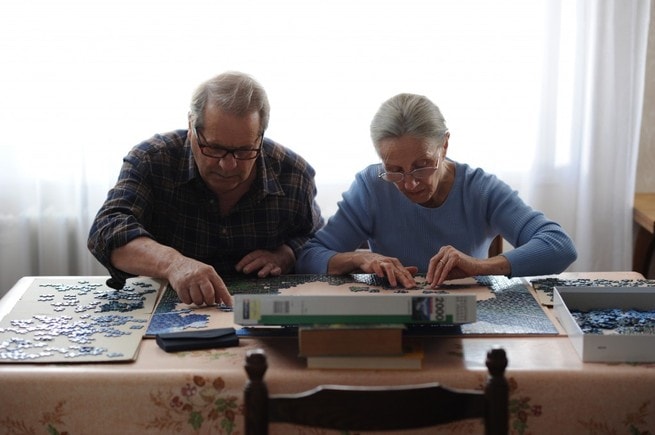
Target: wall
{"x": 645, "y": 181}
{"x": 646, "y": 163}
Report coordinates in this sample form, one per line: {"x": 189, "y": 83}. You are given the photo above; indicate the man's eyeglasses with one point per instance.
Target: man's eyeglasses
{"x": 417, "y": 174}
{"x": 219, "y": 152}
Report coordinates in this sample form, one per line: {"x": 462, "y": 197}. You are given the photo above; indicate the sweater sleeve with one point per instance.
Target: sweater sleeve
{"x": 542, "y": 247}
{"x": 345, "y": 231}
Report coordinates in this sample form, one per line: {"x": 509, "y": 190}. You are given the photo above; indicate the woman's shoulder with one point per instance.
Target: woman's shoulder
{"x": 476, "y": 182}
{"x": 367, "y": 184}
{"x": 475, "y": 175}
{"x": 371, "y": 172}
{"x": 369, "y": 179}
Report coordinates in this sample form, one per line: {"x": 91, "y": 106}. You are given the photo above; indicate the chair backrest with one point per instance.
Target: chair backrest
{"x": 496, "y": 246}
{"x": 356, "y": 408}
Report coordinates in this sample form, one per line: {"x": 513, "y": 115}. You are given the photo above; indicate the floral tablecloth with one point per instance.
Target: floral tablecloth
{"x": 200, "y": 392}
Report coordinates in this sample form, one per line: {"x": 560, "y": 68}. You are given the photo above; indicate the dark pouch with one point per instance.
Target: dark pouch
{"x": 192, "y": 340}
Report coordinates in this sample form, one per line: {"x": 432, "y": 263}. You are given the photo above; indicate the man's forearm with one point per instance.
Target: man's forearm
{"x": 144, "y": 256}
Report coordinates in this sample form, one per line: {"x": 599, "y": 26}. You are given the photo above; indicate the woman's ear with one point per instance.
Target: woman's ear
{"x": 444, "y": 146}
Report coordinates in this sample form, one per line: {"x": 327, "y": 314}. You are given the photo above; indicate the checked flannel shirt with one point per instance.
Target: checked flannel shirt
{"x": 160, "y": 194}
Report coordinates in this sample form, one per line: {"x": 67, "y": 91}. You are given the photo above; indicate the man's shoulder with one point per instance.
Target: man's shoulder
{"x": 161, "y": 149}
{"x": 285, "y": 158}
{"x": 172, "y": 141}
{"x": 164, "y": 155}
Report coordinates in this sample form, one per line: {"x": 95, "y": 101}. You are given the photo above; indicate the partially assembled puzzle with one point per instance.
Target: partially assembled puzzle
{"x": 504, "y": 306}
{"x": 77, "y": 320}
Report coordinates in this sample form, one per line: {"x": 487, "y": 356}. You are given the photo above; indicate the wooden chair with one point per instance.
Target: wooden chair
{"x": 358, "y": 408}
{"x": 496, "y": 246}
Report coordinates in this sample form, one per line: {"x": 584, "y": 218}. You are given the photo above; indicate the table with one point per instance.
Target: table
{"x": 200, "y": 392}
{"x": 644, "y": 217}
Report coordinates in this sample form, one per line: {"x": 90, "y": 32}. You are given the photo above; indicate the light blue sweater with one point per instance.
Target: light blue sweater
{"x": 478, "y": 207}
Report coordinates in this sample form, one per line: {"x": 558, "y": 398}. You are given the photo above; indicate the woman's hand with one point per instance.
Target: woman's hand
{"x": 449, "y": 263}
{"x": 380, "y": 265}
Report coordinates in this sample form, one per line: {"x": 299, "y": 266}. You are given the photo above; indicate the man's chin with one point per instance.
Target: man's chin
{"x": 223, "y": 184}
{"x": 230, "y": 179}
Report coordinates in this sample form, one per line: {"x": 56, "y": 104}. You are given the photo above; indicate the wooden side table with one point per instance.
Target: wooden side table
{"x": 644, "y": 217}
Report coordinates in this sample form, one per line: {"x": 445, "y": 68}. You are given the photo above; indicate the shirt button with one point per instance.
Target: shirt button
{"x": 224, "y": 231}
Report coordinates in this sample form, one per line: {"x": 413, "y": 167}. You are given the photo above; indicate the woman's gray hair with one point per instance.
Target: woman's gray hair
{"x": 407, "y": 114}
{"x": 233, "y": 92}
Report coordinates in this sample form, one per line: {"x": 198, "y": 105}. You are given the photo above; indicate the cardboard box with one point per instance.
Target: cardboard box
{"x": 606, "y": 347}
{"x": 273, "y": 309}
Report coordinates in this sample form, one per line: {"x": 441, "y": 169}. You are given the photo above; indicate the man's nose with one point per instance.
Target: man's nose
{"x": 228, "y": 162}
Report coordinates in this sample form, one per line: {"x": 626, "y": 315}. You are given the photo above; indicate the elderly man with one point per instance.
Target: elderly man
{"x": 191, "y": 206}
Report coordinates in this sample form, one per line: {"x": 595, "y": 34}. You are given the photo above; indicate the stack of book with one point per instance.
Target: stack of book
{"x": 352, "y": 331}
{"x": 357, "y": 347}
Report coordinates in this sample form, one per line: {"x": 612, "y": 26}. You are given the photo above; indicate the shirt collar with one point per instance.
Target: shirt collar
{"x": 266, "y": 182}
{"x": 268, "y": 167}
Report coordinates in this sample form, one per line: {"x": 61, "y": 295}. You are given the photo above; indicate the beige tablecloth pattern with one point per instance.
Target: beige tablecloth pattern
{"x": 200, "y": 392}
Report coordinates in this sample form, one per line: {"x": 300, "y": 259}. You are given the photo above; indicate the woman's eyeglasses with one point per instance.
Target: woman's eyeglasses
{"x": 417, "y": 174}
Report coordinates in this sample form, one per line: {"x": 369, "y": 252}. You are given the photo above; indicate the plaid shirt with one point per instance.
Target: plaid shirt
{"x": 160, "y": 194}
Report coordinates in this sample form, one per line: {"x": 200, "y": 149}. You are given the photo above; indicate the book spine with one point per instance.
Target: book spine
{"x": 318, "y": 341}
{"x": 299, "y": 310}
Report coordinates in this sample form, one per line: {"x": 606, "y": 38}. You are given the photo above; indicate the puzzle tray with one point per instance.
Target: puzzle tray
{"x": 605, "y": 348}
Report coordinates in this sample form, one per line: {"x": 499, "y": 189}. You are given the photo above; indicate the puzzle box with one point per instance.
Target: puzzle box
{"x": 606, "y": 346}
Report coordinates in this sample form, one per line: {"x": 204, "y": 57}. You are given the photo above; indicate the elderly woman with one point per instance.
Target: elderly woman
{"x": 421, "y": 212}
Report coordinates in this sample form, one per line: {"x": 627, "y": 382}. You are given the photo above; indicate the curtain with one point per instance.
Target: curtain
{"x": 545, "y": 94}
{"x": 590, "y": 122}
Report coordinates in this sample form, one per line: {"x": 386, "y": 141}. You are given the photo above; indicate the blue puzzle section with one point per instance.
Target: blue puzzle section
{"x": 167, "y": 318}
{"x": 513, "y": 310}
{"x": 618, "y": 321}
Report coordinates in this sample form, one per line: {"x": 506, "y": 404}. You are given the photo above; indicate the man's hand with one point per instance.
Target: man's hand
{"x": 198, "y": 283}
{"x": 268, "y": 263}
{"x": 194, "y": 281}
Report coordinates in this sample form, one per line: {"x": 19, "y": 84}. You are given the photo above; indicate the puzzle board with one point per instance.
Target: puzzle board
{"x": 77, "y": 320}
{"x": 504, "y": 306}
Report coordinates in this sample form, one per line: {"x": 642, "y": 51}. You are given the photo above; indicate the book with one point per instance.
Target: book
{"x": 336, "y": 340}
{"x": 272, "y": 309}
{"x": 411, "y": 359}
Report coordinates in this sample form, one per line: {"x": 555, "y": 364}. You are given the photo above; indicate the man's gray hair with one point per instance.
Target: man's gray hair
{"x": 233, "y": 92}
{"x": 407, "y": 114}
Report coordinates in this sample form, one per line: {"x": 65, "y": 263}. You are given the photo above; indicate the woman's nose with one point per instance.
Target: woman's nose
{"x": 410, "y": 182}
